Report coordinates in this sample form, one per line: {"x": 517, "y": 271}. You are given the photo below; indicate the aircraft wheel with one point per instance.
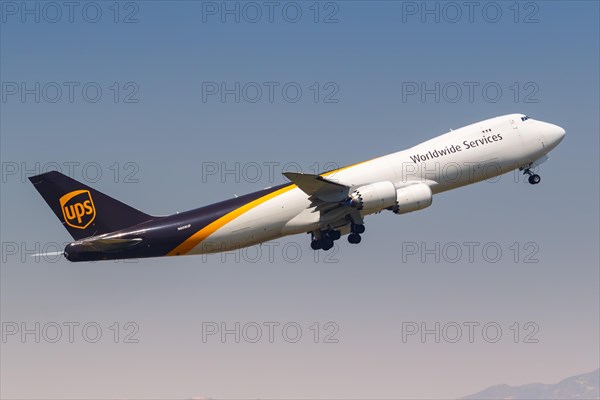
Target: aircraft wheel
{"x": 316, "y": 244}
{"x": 358, "y": 229}
{"x": 534, "y": 179}
{"x": 327, "y": 244}
{"x": 354, "y": 238}
{"x": 335, "y": 235}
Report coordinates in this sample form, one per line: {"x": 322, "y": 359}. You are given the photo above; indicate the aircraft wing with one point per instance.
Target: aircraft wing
{"x": 318, "y": 187}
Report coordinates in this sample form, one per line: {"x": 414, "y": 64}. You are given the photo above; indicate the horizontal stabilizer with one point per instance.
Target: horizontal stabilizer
{"x": 110, "y": 244}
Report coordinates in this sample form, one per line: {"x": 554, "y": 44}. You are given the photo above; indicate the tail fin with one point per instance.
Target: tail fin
{"x": 82, "y": 210}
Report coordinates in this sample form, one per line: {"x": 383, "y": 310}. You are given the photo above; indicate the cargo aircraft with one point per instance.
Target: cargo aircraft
{"x": 326, "y": 206}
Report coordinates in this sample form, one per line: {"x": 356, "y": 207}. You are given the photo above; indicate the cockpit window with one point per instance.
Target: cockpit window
{"x": 525, "y": 118}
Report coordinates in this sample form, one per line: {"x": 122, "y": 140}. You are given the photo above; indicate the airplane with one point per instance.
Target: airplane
{"x": 327, "y": 206}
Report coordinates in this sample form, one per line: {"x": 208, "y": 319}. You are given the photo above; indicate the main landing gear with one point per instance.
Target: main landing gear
{"x": 326, "y": 239}
{"x": 323, "y": 240}
{"x": 534, "y": 179}
{"x": 356, "y": 230}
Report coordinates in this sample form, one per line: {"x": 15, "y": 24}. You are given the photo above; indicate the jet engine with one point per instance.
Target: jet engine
{"x": 373, "y": 197}
{"x": 412, "y": 198}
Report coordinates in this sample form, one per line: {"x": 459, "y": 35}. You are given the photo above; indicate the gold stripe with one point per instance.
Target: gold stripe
{"x": 211, "y": 228}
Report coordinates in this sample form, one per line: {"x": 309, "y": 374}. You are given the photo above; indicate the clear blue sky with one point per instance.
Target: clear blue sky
{"x": 159, "y": 123}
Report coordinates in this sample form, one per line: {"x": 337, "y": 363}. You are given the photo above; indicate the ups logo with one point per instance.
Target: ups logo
{"x": 78, "y": 208}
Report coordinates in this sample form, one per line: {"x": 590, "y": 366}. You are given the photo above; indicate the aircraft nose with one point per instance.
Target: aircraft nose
{"x": 555, "y": 134}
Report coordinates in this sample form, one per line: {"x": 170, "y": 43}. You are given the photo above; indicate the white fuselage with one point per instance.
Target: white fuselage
{"x": 460, "y": 157}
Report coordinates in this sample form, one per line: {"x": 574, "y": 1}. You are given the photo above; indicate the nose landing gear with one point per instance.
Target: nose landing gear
{"x": 533, "y": 179}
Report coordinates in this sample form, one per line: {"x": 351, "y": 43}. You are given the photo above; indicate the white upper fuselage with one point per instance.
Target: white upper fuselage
{"x": 467, "y": 155}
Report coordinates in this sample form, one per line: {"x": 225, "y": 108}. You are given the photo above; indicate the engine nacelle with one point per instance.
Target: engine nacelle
{"x": 412, "y": 198}
{"x": 373, "y": 197}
